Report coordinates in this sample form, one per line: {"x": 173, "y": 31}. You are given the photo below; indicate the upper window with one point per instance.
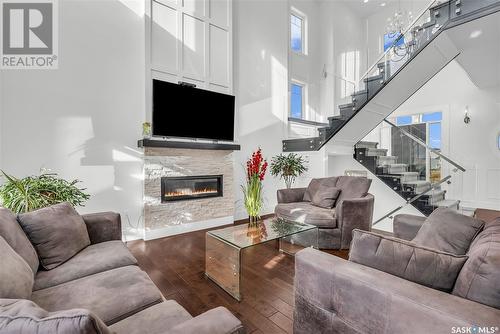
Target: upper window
{"x": 296, "y": 100}
{"x": 297, "y": 33}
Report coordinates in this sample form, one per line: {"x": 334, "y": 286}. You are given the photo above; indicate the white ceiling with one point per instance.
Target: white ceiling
{"x": 374, "y": 6}
{"x": 479, "y": 42}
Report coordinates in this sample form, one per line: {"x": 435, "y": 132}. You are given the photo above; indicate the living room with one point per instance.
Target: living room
{"x": 213, "y": 142}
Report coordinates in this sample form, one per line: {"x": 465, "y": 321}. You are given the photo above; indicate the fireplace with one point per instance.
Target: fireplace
{"x": 190, "y": 187}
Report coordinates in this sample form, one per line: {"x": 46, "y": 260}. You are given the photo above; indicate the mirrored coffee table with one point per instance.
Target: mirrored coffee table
{"x": 224, "y": 246}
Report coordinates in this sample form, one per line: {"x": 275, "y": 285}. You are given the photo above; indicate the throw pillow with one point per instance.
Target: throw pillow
{"x": 448, "y": 231}
{"x": 58, "y": 232}
{"x": 425, "y": 266}
{"x": 17, "y": 239}
{"x": 16, "y": 277}
{"x": 314, "y": 185}
{"x": 325, "y": 197}
{"x": 24, "y": 316}
{"x": 479, "y": 279}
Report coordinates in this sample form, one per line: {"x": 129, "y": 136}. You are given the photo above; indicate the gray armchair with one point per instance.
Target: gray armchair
{"x": 353, "y": 209}
{"x": 454, "y": 293}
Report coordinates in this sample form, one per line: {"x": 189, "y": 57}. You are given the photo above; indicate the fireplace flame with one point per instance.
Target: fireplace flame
{"x": 190, "y": 192}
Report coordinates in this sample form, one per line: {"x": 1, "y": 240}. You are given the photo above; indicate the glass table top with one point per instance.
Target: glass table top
{"x": 243, "y": 235}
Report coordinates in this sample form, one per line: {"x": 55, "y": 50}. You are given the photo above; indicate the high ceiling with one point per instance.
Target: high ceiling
{"x": 371, "y": 7}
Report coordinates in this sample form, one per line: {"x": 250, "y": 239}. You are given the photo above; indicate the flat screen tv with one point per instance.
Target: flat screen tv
{"x": 187, "y": 112}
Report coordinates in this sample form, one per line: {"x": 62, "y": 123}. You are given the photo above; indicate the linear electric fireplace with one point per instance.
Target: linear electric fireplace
{"x": 190, "y": 187}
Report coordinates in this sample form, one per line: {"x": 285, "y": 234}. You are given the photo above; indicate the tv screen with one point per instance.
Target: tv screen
{"x": 188, "y": 112}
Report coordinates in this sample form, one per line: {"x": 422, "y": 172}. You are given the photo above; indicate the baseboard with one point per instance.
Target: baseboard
{"x": 185, "y": 228}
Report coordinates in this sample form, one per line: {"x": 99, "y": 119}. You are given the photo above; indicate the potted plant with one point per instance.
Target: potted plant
{"x": 35, "y": 192}
{"x": 252, "y": 191}
{"x": 288, "y": 167}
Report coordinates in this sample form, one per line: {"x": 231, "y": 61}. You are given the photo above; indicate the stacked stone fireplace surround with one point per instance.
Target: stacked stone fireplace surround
{"x": 169, "y": 218}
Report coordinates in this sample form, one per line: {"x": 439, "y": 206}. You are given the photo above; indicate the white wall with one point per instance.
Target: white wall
{"x": 472, "y": 145}
{"x": 343, "y": 35}
{"x": 83, "y": 119}
{"x": 261, "y": 87}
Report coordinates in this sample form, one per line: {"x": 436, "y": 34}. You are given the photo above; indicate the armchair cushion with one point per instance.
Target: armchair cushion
{"x": 12, "y": 232}
{"x": 304, "y": 212}
{"x": 448, "y": 231}
{"x": 353, "y": 187}
{"x": 314, "y": 185}
{"x": 58, "y": 232}
{"x": 112, "y": 295}
{"x": 16, "y": 277}
{"x": 24, "y": 316}
{"x": 401, "y": 258}
{"x": 91, "y": 260}
{"x": 325, "y": 197}
{"x": 479, "y": 279}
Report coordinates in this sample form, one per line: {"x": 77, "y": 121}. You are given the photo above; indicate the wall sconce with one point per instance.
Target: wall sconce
{"x": 466, "y": 115}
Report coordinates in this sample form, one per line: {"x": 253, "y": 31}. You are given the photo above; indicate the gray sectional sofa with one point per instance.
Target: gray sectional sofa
{"x": 99, "y": 290}
{"x": 439, "y": 274}
{"x": 350, "y": 207}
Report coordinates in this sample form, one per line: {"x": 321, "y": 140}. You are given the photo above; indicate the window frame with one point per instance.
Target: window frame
{"x": 303, "y": 31}
{"x": 302, "y": 85}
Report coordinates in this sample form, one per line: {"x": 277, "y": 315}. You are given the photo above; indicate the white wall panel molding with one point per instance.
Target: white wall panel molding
{"x": 191, "y": 41}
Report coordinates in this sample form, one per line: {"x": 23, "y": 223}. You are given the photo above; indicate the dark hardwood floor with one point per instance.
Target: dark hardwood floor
{"x": 176, "y": 265}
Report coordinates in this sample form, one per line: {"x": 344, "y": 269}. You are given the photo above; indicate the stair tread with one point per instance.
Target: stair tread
{"x": 418, "y": 182}
{"x": 447, "y": 202}
{"x": 347, "y": 105}
{"x": 400, "y": 165}
{"x": 373, "y": 78}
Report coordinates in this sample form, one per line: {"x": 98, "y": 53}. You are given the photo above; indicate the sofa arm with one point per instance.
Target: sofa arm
{"x": 216, "y": 321}
{"x": 335, "y": 295}
{"x": 355, "y": 213}
{"x": 291, "y": 195}
{"x": 103, "y": 226}
{"x": 407, "y": 226}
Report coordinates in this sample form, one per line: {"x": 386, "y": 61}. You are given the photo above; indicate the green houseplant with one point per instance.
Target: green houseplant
{"x": 288, "y": 167}
{"x": 34, "y": 192}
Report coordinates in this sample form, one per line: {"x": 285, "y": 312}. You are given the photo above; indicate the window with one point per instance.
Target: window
{"x": 297, "y": 33}
{"x": 296, "y": 100}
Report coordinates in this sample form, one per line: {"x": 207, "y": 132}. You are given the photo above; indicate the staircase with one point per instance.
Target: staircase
{"x": 408, "y": 184}
{"x": 370, "y": 105}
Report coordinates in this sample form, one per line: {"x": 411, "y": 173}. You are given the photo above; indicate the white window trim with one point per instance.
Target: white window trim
{"x": 305, "y": 115}
{"x": 303, "y": 17}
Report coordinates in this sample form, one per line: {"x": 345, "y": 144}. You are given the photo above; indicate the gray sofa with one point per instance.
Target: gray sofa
{"x": 456, "y": 293}
{"x": 352, "y": 209}
{"x": 99, "y": 290}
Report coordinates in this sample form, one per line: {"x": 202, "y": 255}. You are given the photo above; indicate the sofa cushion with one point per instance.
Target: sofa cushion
{"x": 16, "y": 277}
{"x": 58, "y": 232}
{"x": 112, "y": 295}
{"x": 479, "y": 279}
{"x": 24, "y": 316}
{"x": 325, "y": 197}
{"x": 92, "y": 260}
{"x": 12, "y": 232}
{"x": 156, "y": 319}
{"x": 425, "y": 266}
{"x": 448, "y": 231}
{"x": 304, "y": 212}
{"x": 353, "y": 187}
{"x": 314, "y": 185}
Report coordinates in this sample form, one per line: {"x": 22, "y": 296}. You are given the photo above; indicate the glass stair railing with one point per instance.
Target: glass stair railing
{"x": 418, "y": 172}
{"x": 437, "y": 16}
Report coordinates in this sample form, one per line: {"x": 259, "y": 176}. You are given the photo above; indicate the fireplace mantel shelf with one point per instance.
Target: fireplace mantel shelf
{"x": 188, "y": 145}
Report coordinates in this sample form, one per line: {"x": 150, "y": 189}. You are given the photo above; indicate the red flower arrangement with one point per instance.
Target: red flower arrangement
{"x": 256, "y": 170}
{"x": 256, "y": 165}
